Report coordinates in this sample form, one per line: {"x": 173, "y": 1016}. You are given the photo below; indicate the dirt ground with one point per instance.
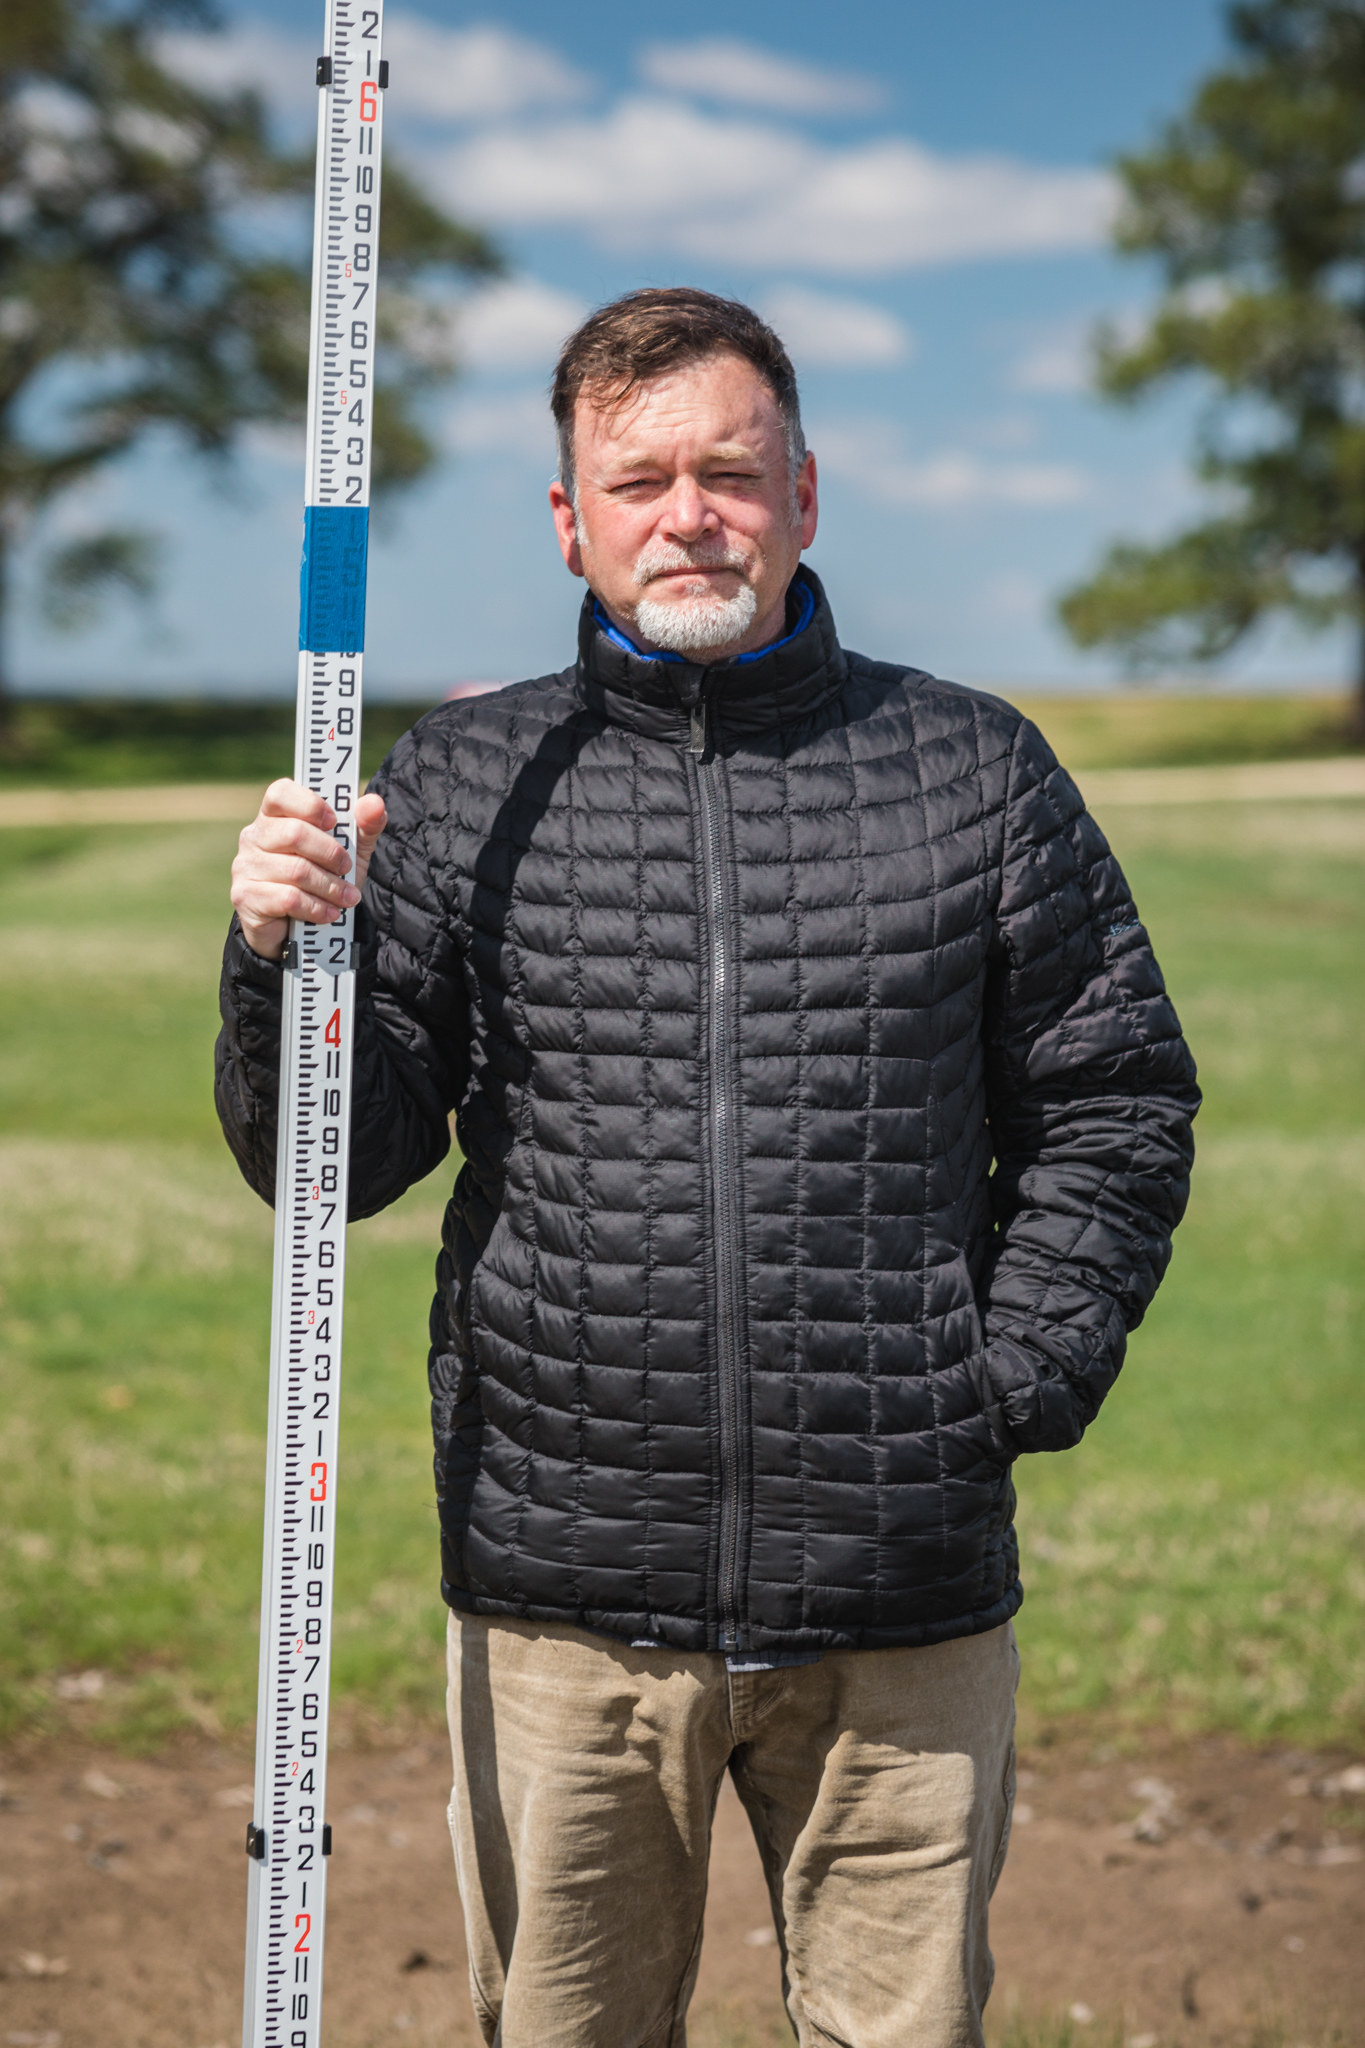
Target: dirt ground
{"x": 1197, "y": 1896}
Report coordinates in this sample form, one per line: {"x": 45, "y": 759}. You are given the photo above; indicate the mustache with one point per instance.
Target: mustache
{"x": 664, "y": 557}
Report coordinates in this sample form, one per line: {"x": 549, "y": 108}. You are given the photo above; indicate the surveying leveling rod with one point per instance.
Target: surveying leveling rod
{"x": 288, "y": 1839}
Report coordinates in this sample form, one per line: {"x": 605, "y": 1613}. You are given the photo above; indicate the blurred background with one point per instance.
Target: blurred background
{"x": 1075, "y": 296}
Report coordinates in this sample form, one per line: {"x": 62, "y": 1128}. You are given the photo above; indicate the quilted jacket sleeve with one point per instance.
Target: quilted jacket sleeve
{"x": 411, "y": 1057}
{"x": 1091, "y": 1095}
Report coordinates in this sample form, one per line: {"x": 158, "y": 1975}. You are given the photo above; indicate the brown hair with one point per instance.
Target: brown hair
{"x": 645, "y": 334}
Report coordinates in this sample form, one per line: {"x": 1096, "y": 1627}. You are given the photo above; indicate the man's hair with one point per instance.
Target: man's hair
{"x": 647, "y": 333}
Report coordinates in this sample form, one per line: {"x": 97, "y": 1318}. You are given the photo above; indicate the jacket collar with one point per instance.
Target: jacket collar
{"x": 719, "y": 703}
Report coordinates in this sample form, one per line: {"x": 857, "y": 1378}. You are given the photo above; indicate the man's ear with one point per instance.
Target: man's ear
{"x": 808, "y": 500}
{"x": 566, "y": 527}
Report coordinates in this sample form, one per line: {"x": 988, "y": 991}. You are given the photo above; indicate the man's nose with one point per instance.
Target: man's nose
{"x": 687, "y": 515}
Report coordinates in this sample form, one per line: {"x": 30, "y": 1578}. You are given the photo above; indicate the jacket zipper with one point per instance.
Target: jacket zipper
{"x": 724, "y": 1178}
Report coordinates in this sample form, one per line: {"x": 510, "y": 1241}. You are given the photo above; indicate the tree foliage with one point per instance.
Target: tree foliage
{"x": 1253, "y": 205}
{"x": 154, "y": 274}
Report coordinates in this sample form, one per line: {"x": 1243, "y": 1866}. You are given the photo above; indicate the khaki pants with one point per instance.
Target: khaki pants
{"x": 879, "y": 1784}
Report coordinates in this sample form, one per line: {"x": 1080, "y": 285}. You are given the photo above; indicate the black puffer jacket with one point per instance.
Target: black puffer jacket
{"x": 738, "y": 980}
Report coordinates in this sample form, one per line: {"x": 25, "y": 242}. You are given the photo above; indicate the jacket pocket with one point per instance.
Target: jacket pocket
{"x": 1000, "y": 1443}
{"x": 1003, "y": 1446}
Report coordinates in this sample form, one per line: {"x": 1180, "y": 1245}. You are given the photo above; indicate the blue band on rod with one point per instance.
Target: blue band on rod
{"x": 332, "y": 579}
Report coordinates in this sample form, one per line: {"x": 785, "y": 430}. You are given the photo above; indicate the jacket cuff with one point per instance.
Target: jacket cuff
{"x": 1049, "y": 1385}
{"x": 242, "y": 965}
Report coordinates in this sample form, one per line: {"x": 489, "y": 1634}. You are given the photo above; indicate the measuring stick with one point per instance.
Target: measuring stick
{"x": 288, "y": 1840}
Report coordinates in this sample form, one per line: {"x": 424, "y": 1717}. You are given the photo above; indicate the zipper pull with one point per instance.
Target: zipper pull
{"x": 697, "y": 722}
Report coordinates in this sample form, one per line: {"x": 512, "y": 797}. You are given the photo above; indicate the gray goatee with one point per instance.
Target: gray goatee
{"x": 697, "y": 624}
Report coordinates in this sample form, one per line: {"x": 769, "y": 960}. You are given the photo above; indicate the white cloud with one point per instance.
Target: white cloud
{"x": 723, "y": 68}
{"x": 869, "y": 455}
{"x": 251, "y": 55}
{"x": 824, "y": 332}
{"x": 645, "y": 170}
{"x": 663, "y": 176}
{"x": 474, "y": 74}
{"x": 516, "y": 324}
{"x": 484, "y": 73}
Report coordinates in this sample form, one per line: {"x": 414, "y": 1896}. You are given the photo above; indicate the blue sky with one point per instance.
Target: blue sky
{"x": 915, "y": 194}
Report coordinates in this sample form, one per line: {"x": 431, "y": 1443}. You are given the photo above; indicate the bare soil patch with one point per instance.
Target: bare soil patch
{"x": 1201, "y": 1895}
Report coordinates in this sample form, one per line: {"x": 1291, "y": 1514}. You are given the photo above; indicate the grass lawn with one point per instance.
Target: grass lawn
{"x": 1199, "y": 1561}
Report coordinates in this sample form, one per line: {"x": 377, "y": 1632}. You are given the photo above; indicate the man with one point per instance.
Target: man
{"x": 741, "y": 960}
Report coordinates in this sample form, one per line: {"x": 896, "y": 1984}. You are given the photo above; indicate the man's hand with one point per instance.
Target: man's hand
{"x": 288, "y": 864}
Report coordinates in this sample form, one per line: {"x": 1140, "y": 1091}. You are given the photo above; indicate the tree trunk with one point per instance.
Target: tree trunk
{"x": 1355, "y": 725}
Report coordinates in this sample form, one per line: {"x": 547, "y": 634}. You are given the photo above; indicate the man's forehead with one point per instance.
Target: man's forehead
{"x": 721, "y": 402}
{"x": 655, "y": 420}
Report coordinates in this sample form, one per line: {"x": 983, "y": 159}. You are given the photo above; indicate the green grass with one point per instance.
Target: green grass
{"x": 1198, "y": 1563}
{"x": 97, "y": 741}
{"x": 1201, "y": 1559}
{"x": 1187, "y": 729}
{"x": 134, "y": 1269}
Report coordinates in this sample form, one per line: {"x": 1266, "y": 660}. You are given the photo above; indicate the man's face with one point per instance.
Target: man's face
{"x": 688, "y": 526}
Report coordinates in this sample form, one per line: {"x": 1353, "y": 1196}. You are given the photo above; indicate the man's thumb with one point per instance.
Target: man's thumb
{"x": 371, "y": 817}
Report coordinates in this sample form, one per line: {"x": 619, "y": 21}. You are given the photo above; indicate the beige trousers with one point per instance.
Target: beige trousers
{"x": 879, "y": 1785}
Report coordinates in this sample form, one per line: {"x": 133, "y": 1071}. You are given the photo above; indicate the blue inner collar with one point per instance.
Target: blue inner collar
{"x": 622, "y": 640}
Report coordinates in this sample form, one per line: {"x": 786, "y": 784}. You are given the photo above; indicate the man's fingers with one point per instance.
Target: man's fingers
{"x": 305, "y": 874}
{"x": 261, "y": 871}
{"x": 301, "y": 902}
{"x": 278, "y": 902}
{"x": 280, "y": 836}
{"x": 289, "y": 799}
{"x": 289, "y": 865}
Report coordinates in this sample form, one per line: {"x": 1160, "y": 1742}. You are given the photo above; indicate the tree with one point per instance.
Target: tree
{"x": 141, "y": 287}
{"x": 1253, "y": 204}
